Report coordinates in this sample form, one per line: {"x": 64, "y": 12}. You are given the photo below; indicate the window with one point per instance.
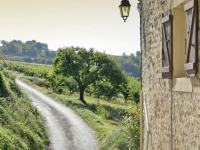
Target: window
{"x": 179, "y": 40}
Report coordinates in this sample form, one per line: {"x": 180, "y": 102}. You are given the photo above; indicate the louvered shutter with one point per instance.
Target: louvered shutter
{"x": 167, "y": 44}
{"x": 191, "y": 38}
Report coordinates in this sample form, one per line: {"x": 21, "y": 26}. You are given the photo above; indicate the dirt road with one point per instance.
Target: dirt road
{"x": 66, "y": 130}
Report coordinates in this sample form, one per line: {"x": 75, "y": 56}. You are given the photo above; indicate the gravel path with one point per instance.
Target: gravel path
{"x": 66, "y": 130}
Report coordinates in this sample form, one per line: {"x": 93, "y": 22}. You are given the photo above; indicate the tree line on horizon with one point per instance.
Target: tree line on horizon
{"x": 131, "y": 64}
{"x": 37, "y": 52}
{"x": 29, "y": 51}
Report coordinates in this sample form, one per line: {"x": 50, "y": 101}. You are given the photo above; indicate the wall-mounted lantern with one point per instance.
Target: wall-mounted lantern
{"x": 124, "y": 9}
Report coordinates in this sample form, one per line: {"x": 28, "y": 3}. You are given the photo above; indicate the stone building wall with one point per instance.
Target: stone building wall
{"x": 174, "y": 117}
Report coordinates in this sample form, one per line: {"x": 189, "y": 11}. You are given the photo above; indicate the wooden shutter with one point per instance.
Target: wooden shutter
{"x": 167, "y": 44}
{"x": 191, "y": 38}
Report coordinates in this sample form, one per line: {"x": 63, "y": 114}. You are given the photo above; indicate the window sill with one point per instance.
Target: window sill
{"x": 182, "y": 85}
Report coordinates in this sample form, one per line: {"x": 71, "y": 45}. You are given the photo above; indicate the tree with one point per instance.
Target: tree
{"x": 71, "y": 85}
{"x": 86, "y": 67}
{"x": 138, "y": 53}
{"x": 105, "y": 89}
{"x": 134, "y": 89}
{"x": 125, "y": 90}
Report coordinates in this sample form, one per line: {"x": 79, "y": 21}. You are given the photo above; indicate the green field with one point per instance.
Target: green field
{"x": 115, "y": 123}
{"x": 106, "y": 118}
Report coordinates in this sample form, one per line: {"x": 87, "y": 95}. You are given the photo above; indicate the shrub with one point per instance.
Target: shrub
{"x": 101, "y": 111}
{"x": 116, "y": 140}
{"x": 8, "y": 141}
{"x": 39, "y": 81}
{"x": 132, "y": 121}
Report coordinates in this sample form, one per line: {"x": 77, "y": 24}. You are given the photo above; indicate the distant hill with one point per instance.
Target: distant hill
{"x": 30, "y": 51}
{"x": 131, "y": 64}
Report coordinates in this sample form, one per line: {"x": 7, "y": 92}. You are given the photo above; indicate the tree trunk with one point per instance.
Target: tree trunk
{"x": 81, "y": 89}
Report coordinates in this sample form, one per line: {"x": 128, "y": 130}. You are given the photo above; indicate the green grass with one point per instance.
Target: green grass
{"x": 20, "y": 128}
{"x": 96, "y": 114}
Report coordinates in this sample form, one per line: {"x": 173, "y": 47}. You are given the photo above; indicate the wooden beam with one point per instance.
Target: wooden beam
{"x": 166, "y": 19}
{"x": 189, "y": 5}
{"x": 189, "y": 66}
{"x": 165, "y": 70}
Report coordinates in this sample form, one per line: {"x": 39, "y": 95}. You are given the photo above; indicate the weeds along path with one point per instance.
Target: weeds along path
{"x": 66, "y": 130}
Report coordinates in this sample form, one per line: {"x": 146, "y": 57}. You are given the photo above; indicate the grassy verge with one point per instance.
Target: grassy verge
{"x": 20, "y": 127}
{"x": 102, "y": 116}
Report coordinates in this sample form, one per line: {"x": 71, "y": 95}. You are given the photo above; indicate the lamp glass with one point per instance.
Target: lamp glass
{"x": 125, "y": 11}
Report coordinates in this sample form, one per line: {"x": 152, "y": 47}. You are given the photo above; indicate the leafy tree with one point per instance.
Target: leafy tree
{"x": 50, "y": 79}
{"x": 125, "y": 90}
{"x": 58, "y": 84}
{"x": 71, "y": 85}
{"x": 86, "y": 67}
{"x": 134, "y": 88}
{"x": 105, "y": 89}
{"x": 138, "y": 53}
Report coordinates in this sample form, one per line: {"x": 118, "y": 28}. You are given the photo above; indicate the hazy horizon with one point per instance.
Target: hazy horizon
{"x": 64, "y": 23}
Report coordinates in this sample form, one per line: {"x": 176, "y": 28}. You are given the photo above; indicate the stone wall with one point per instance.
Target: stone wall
{"x": 174, "y": 117}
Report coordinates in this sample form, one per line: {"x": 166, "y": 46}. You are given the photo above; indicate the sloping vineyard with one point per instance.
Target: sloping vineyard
{"x": 21, "y": 126}
{"x": 62, "y": 84}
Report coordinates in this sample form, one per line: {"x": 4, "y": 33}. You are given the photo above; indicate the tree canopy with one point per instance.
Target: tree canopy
{"x": 88, "y": 66}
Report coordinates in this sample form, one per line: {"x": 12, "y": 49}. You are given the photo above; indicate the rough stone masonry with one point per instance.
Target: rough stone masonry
{"x": 174, "y": 116}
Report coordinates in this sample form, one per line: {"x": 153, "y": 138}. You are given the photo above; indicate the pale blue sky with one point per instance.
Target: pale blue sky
{"x": 60, "y": 23}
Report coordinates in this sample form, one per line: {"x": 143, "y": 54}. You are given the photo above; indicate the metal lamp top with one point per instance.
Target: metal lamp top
{"x": 124, "y": 3}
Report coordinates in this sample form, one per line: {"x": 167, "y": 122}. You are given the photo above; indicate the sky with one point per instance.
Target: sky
{"x": 63, "y": 23}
